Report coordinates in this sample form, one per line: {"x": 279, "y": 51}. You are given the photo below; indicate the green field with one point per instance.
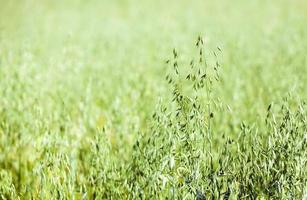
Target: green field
{"x": 155, "y": 99}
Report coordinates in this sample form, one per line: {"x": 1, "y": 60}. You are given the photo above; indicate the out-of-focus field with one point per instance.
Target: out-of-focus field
{"x": 80, "y": 81}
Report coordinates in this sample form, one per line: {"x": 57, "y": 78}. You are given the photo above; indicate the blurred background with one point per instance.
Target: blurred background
{"x": 111, "y": 53}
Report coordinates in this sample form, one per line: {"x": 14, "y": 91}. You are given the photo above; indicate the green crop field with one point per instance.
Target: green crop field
{"x": 178, "y": 99}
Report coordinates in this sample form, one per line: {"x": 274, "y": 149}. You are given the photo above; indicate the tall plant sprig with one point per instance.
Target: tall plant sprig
{"x": 176, "y": 148}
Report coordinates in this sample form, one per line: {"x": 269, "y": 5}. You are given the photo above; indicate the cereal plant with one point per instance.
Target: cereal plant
{"x": 153, "y": 99}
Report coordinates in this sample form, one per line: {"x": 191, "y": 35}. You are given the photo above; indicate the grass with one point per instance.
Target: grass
{"x": 153, "y": 100}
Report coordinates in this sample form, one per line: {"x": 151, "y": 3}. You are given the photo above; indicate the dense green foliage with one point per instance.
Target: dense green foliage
{"x": 153, "y": 100}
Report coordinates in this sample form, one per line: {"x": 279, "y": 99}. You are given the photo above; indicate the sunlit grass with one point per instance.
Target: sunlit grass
{"x": 124, "y": 100}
